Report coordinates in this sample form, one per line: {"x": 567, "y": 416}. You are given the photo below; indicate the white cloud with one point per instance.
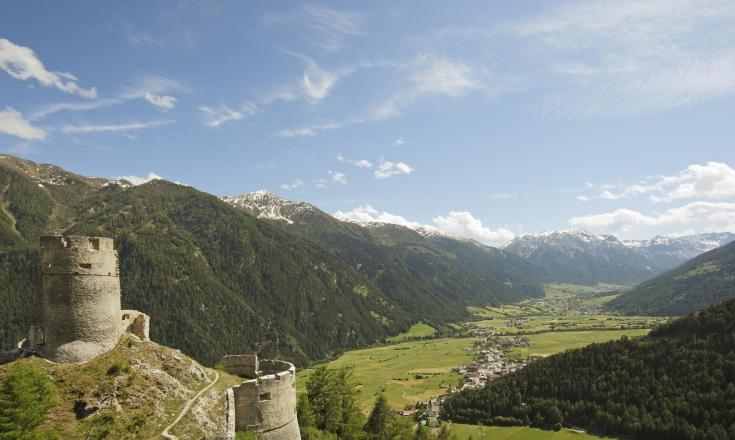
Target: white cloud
{"x": 456, "y": 224}
{"x": 463, "y": 224}
{"x": 320, "y": 183}
{"x": 442, "y": 76}
{"x": 155, "y": 89}
{"x": 13, "y": 123}
{"x": 338, "y": 177}
{"x": 223, "y": 114}
{"x": 368, "y": 214}
{"x": 713, "y": 181}
{"x": 293, "y": 185}
{"x": 164, "y": 102}
{"x": 137, "y": 180}
{"x": 619, "y": 58}
{"x": 316, "y": 82}
{"x": 711, "y": 214}
{"x": 429, "y": 75}
{"x": 21, "y": 63}
{"x": 308, "y": 131}
{"x": 398, "y": 141}
{"x": 111, "y": 128}
{"x": 360, "y": 163}
{"x": 323, "y": 27}
{"x": 388, "y": 169}
{"x": 48, "y": 109}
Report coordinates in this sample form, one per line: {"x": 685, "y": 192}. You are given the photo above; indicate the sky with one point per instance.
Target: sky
{"x": 484, "y": 119}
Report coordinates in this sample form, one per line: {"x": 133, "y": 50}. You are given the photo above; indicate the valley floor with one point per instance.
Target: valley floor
{"x": 464, "y": 432}
{"x": 414, "y": 367}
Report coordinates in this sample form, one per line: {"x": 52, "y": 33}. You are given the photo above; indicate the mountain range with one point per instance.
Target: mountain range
{"x": 260, "y": 273}
{"x": 572, "y": 255}
{"x": 220, "y": 280}
{"x": 581, "y": 257}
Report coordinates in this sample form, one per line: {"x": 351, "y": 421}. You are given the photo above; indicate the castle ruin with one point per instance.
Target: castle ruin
{"x": 264, "y": 403}
{"x": 81, "y": 316}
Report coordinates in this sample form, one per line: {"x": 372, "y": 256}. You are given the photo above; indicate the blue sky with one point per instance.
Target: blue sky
{"x": 486, "y": 119}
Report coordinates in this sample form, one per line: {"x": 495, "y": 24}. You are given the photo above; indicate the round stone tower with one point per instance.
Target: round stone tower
{"x": 80, "y": 296}
{"x": 266, "y": 403}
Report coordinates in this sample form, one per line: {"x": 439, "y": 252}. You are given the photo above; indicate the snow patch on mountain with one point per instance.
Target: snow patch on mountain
{"x": 264, "y": 204}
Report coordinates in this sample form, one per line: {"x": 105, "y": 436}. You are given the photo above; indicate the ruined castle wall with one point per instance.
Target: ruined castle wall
{"x": 80, "y": 297}
{"x": 268, "y": 404}
{"x": 243, "y": 365}
{"x": 137, "y": 323}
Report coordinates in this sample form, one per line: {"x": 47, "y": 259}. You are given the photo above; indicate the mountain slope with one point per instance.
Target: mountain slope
{"x": 676, "y": 383}
{"x": 703, "y": 281}
{"x": 130, "y": 392}
{"x": 581, "y": 257}
{"x": 216, "y": 279}
{"x": 437, "y": 268}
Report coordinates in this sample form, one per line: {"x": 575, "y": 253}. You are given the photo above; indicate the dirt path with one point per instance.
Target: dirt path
{"x": 187, "y": 407}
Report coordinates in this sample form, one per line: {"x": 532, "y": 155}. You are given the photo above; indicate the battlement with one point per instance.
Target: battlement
{"x": 103, "y": 244}
{"x": 77, "y": 255}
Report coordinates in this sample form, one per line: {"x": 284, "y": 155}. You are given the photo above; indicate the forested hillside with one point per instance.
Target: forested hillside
{"x": 217, "y": 280}
{"x": 431, "y": 268}
{"x": 676, "y": 383}
{"x": 703, "y": 281}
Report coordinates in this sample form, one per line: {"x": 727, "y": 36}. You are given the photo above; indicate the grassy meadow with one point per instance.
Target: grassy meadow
{"x": 407, "y": 372}
{"x": 464, "y": 432}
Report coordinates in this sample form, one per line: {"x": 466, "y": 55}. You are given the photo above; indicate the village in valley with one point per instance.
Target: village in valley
{"x": 502, "y": 338}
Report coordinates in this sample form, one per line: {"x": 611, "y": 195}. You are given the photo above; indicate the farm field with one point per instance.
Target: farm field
{"x": 408, "y": 371}
{"x": 544, "y": 344}
{"x": 563, "y": 307}
{"x": 463, "y": 432}
{"x": 416, "y": 331}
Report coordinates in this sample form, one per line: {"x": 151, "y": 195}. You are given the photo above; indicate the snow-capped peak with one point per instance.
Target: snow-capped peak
{"x": 265, "y": 204}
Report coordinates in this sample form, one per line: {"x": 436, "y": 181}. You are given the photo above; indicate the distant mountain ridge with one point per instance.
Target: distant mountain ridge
{"x": 673, "y": 251}
{"x": 580, "y": 256}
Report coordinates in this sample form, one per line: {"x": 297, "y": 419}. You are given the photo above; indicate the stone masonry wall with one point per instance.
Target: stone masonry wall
{"x": 80, "y": 297}
{"x": 267, "y": 404}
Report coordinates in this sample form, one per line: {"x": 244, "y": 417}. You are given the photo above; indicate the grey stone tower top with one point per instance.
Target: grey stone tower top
{"x": 78, "y": 255}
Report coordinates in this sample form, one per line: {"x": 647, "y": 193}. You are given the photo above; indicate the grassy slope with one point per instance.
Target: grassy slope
{"x": 141, "y": 387}
{"x": 417, "y": 331}
{"x": 701, "y": 282}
